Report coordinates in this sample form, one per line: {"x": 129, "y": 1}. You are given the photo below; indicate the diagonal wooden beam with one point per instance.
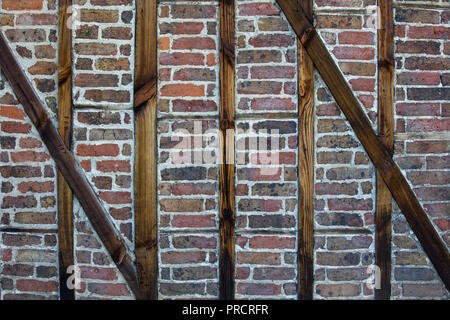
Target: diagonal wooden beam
{"x": 305, "y": 255}
{"x": 383, "y": 215}
{"x": 68, "y": 166}
{"x": 380, "y": 155}
{"x": 64, "y": 194}
{"x": 145, "y": 93}
{"x": 226, "y": 166}
{"x": 146, "y": 152}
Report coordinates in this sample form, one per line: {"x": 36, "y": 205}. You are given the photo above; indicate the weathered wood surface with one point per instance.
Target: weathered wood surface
{"x": 68, "y": 166}
{"x": 146, "y": 93}
{"x": 226, "y": 166}
{"x": 306, "y": 168}
{"x": 380, "y": 155}
{"x": 146, "y": 153}
{"x": 386, "y": 134}
{"x": 64, "y": 194}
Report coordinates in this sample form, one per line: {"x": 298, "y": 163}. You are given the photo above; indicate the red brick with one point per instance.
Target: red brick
{"x": 199, "y": 43}
{"x": 115, "y": 197}
{"x": 114, "y": 166}
{"x": 30, "y": 143}
{"x": 179, "y": 257}
{"x": 354, "y": 53}
{"x": 265, "y": 258}
{"x": 96, "y": 80}
{"x": 265, "y": 289}
{"x": 12, "y": 113}
{"x": 194, "y": 188}
{"x": 272, "y": 104}
{"x": 353, "y": 37}
{"x": 257, "y": 174}
{"x": 271, "y": 72}
{"x": 258, "y": 9}
{"x": 427, "y": 147}
{"x": 15, "y": 127}
{"x": 86, "y": 165}
{"x": 443, "y": 224}
{"x": 183, "y": 90}
{"x": 193, "y": 106}
{"x": 36, "y": 187}
{"x": 29, "y": 156}
{"x": 271, "y": 40}
{"x": 194, "y": 221}
{"x": 84, "y": 150}
{"x": 181, "y": 27}
{"x": 36, "y": 285}
{"x": 427, "y": 125}
{"x": 109, "y": 289}
{"x": 37, "y": 19}
{"x": 22, "y": 5}
{"x": 350, "y": 204}
{"x": 437, "y": 209}
{"x": 363, "y": 84}
{"x": 429, "y": 32}
{"x": 418, "y": 109}
{"x": 181, "y": 59}
{"x": 98, "y": 273}
{"x": 116, "y": 96}
{"x": 272, "y": 242}
{"x": 419, "y": 78}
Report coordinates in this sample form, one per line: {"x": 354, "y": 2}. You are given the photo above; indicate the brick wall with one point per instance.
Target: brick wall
{"x": 266, "y": 152}
{"x": 345, "y": 179}
{"x": 422, "y": 144}
{"x": 103, "y": 144}
{"x": 266, "y": 195}
{"x": 28, "y": 267}
{"x": 104, "y": 53}
{"x": 188, "y": 166}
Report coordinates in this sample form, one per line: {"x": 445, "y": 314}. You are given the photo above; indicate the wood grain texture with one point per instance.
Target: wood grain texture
{"x": 305, "y": 257}
{"x": 383, "y": 215}
{"x": 64, "y": 194}
{"x": 380, "y": 155}
{"x": 145, "y": 93}
{"x": 226, "y": 166}
{"x": 145, "y": 179}
{"x": 68, "y": 166}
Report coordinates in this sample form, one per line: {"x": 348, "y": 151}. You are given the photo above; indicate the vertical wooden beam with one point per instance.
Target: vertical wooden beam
{"x": 146, "y": 154}
{"x": 306, "y": 167}
{"x": 386, "y": 134}
{"x": 64, "y": 194}
{"x": 226, "y": 166}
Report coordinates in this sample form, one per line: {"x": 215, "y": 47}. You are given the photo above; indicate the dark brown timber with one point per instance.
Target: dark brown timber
{"x": 145, "y": 180}
{"x": 226, "y": 166}
{"x": 386, "y": 134}
{"x": 65, "y": 199}
{"x": 68, "y": 166}
{"x": 306, "y": 168}
{"x": 375, "y": 148}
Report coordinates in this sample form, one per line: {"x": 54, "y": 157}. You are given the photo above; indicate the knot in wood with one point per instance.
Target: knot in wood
{"x": 307, "y": 35}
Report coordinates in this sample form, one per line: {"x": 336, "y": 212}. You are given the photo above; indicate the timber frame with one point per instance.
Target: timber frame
{"x": 140, "y": 268}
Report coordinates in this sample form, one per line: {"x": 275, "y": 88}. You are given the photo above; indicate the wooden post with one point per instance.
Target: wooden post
{"x": 64, "y": 194}
{"x": 380, "y": 155}
{"x": 68, "y": 166}
{"x": 146, "y": 153}
{"x": 386, "y": 134}
{"x": 305, "y": 257}
{"x": 226, "y": 166}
